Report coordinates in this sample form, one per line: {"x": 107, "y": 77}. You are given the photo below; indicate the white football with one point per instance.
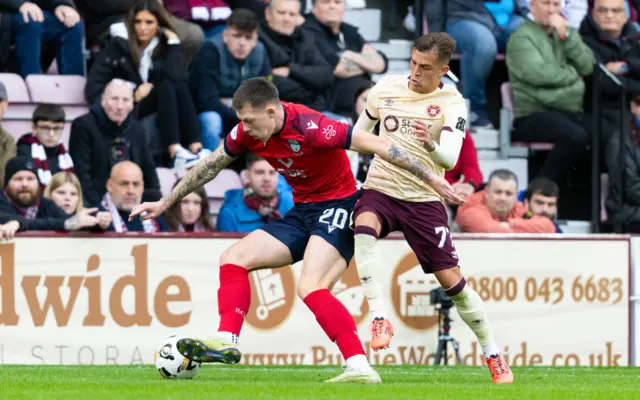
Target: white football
{"x": 173, "y": 365}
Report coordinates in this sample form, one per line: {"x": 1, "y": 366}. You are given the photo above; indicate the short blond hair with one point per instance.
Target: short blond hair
{"x": 60, "y": 179}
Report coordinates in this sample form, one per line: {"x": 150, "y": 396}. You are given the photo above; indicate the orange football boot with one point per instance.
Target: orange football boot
{"x": 500, "y": 372}
{"x": 381, "y": 333}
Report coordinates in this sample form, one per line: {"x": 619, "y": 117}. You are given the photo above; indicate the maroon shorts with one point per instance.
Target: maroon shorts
{"x": 425, "y": 226}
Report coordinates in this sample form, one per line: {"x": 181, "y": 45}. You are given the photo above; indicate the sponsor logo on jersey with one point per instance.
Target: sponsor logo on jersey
{"x": 295, "y": 145}
{"x": 312, "y": 125}
{"x": 329, "y": 132}
{"x": 433, "y": 110}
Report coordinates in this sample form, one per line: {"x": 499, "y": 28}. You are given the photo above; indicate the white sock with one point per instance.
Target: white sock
{"x": 367, "y": 256}
{"x": 228, "y": 337}
{"x": 359, "y": 362}
{"x": 471, "y": 310}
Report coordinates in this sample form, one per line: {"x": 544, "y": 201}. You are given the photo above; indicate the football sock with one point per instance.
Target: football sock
{"x": 471, "y": 309}
{"x": 367, "y": 255}
{"x": 337, "y": 323}
{"x": 234, "y": 298}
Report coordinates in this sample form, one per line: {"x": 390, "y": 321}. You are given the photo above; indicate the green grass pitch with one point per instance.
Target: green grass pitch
{"x": 251, "y": 382}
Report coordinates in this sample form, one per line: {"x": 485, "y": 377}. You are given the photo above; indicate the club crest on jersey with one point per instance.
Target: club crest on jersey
{"x": 433, "y": 110}
{"x": 295, "y": 145}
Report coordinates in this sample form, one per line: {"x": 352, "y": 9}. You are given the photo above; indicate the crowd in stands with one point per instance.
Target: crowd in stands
{"x": 160, "y": 75}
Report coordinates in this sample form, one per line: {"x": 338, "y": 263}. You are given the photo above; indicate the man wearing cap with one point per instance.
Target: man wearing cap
{"x": 7, "y": 143}
{"x": 24, "y": 208}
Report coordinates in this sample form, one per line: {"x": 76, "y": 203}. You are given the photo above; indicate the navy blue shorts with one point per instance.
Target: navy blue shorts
{"x": 328, "y": 219}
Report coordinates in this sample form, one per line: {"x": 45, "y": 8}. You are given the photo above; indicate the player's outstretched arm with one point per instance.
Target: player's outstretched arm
{"x": 367, "y": 143}
{"x": 201, "y": 173}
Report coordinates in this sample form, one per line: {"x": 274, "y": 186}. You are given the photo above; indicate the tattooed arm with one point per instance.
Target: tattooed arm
{"x": 367, "y": 143}
{"x": 203, "y": 172}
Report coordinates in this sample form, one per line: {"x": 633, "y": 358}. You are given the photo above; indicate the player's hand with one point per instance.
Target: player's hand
{"x": 148, "y": 210}
{"x": 463, "y": 189}
{"x": 8, "y": 230}
{"x": 559, "y": 24}
{"x": 444, "y": 189}
{"x": 67, "y": 15}
{"x": 419, "y": 131}
{"x": 31, "y": 11}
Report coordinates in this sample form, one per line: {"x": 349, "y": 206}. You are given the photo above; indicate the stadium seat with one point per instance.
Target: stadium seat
{"x": 20, "y": 106}
{"x": 227, "y": 179}
{"x": 507, "y": 147}
{"x": 57, "y": 89}
{"x": 167, "y": 179}
{"x": 65, "y": 90}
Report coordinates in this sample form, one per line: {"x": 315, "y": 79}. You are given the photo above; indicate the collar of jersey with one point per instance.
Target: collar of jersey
{"x": 284, "y": 123}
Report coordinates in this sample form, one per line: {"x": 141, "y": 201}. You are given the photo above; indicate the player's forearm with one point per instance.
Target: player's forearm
{"x": 201, "y": 173}
{"x": 401, "y": 158}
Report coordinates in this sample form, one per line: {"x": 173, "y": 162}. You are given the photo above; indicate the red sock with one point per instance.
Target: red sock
{"x": 234, "y": 298}
{"x": 336, "y": 322}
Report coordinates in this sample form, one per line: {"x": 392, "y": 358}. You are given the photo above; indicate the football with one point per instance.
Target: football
{"x": 173, "y": 365}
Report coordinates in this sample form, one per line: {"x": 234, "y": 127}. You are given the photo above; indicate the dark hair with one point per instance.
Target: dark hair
{"x": 155, "y": 8}
{"x": 174, "y": 219}
{"x": 364, "y": 86}
{"x": 244, "y": 20}
{"x": 252, "y": 158}
{"x": 503, "y": 175}
{"x": 543, "y": 186}
{"x": 48, "y": 112}
{"x": 257, "y": 92}
{"x": 439, "y": 42}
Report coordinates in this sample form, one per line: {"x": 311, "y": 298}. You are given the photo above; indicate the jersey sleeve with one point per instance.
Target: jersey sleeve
{"x": 234, "y": 143}
{"x": 371, "y": 109}
{"x": 455, "y": 117}
{"x": 329, "y": 134}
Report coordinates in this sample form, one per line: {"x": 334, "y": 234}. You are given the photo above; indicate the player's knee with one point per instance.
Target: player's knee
{"x": 449, "y": 277}
{"x": 307, "y": 286}
{"x": 233, "y": 256}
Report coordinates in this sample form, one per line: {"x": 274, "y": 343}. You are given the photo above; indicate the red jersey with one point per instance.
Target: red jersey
{"x": 309, "y": 151}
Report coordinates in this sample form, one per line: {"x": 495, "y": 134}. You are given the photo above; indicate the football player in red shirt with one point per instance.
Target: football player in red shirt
{"x": 309, "y": 150}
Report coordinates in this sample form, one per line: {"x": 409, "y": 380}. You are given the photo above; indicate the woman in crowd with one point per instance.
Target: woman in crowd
{"x": 65, "y": 190}
{"x": 151, "y": 59}
{"x": 191, "y": 214}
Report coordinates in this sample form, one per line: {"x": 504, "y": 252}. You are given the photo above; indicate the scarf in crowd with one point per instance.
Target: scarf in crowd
{"x": 39, "y": 156}
{"x": 267, "y": 208}
{"x": 149, "y": 225}
{"x": 197, "y": 227}
{"x": 28, "y": 213}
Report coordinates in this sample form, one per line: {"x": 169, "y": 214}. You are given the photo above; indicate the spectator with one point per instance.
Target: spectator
{"x": 191, "y": 214}
{"x": 22, "y": 202}
{"x": 248, "y": 209}
{"x": 351, "y": 58}
{"x": 623, "y": 202}
{"x": 44, "y": 145}
{"x": 547, "y": 61}
{"x": 573, "y": 11}
{"x": 124, "y": 192}
{"x": 541, "y": 199}
{"x": 65, "y": 191}
{"x": 299, "y": 72}
{"x": 360, "y": 162}
{"x": 466, "y": 177}
{"x": 107, "y": 135}
{"x": 476, "y": 34}
{"x": 102, "y": 16}
{"x": 496, "y": 210}
{"x": 7, "y": 143}
{"x": 151, "y": 59}
{"x": 615, "y": 44}
{"x": 53, "y": 23}
{"x": 222, "y": 64}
